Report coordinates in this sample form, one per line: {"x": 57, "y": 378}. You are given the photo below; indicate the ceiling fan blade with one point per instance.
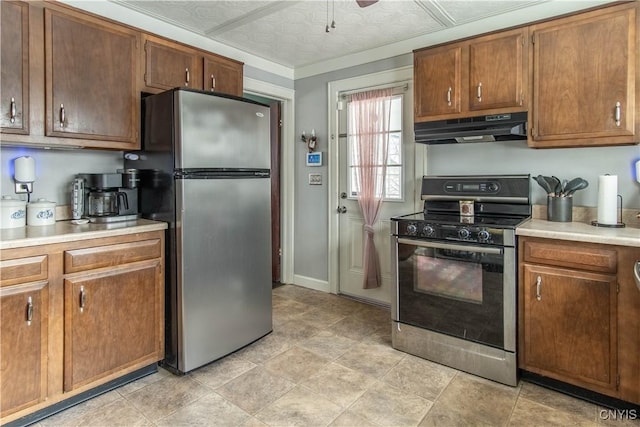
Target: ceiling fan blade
{"x": 365, "y": 3}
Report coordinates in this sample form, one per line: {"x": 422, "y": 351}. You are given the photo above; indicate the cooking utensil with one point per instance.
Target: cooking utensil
{"x": 557, "y": 185}
{"x": 551, "y": 183}
{"x": 542, "y": 182}
{"x": 575, "y": 185}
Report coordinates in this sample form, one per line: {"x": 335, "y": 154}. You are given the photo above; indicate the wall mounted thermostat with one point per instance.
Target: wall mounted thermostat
{"x": 314, "y": 159}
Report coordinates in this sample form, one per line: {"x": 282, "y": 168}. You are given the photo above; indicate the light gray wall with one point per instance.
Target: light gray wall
{"x": 55, "y": 169}
{"x": 265, "y": 76}
{"x": 565, "y": 163}
{"x": 311, "y": 223}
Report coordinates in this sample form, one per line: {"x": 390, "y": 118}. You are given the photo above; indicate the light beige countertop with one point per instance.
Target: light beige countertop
{"x": 581, "y": 230}
{"x": 65, "y": 231}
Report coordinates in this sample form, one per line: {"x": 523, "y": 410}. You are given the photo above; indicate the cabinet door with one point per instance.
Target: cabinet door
{"x": 168, "y": 66}
{"x": 498, "y": 71}
{"x": 584, "y": 80}
{"x": 23, "y": 341}
{"x": 14, "y": 86}
{"x": 437, "y": 77}
{"x": 570, "y": 328}
{"x": 223, "y": 76}
{"x": 112, "y": 321}
{"x": 90, "y": 77}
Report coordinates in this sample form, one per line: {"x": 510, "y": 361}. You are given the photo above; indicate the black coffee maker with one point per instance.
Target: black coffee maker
{"x": 109, "y": 197}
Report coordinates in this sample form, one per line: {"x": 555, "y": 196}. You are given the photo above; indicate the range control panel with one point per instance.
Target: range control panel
{"x": 488, "y": 188}
{"x": 457, "y": 187}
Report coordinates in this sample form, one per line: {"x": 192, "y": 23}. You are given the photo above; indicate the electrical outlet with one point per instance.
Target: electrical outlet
{"x": 315, "y": 179}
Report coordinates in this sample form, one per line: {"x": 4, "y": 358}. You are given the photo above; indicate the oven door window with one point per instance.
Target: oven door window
{"x": 453, "y": 289}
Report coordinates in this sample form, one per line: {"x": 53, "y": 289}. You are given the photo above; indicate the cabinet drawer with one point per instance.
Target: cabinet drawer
{"x": 107, "y": 256}
{"x": 590, "y": 258}
{"x": 23, "y": 270}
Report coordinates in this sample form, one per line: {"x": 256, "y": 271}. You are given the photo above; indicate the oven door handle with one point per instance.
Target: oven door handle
{"x": 438, "y": 245}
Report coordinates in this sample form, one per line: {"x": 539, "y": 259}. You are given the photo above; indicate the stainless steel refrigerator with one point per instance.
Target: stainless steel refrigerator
{"x": 205, "y": 170}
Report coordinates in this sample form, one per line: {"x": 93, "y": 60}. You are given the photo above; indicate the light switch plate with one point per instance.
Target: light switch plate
{"x": 315, "y": 179}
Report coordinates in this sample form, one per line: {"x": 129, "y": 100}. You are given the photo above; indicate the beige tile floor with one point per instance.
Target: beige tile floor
{"x": 328, "y": 362}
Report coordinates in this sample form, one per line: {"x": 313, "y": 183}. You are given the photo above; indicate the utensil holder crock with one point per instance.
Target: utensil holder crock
{"x": 559, "y": 208}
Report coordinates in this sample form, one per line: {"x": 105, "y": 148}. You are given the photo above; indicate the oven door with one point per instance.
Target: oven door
{"x": 462, "y": 290}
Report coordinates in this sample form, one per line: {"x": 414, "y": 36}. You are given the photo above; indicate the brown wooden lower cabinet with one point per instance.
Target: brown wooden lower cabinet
{"x": 576, "y": 315}
{"x": 570, "y": 325}
{"x": 70, "y": 324}
{"x": 23, "y": 338}
{"x": 111, "y": 320}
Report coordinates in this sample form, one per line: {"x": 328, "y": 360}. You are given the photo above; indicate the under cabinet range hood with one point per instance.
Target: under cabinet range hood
{"x": 496, "y": 127}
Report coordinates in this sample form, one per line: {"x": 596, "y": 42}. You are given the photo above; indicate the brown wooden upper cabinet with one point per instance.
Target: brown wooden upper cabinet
{"x": 484, "y": 75}
{"x": 437, "y": 74}
{"x": 90, "y": 79}
{"x": 223, "y": 75}
{"x": 585, "y": 81}
{"x": 14, "y": 84}
{"x": 168, "y": 65}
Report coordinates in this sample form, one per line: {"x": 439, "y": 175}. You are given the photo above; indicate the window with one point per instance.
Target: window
{"x": 393, "y": 189}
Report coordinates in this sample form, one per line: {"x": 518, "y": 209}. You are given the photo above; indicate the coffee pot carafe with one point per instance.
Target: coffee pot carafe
{"x": 107, "y": 203}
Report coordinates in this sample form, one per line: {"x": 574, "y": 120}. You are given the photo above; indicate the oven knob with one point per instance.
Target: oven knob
{"x": 428, "y": 231}
{"x": 412, "y": 229}
{"x": 483, "y": 235}
{"x": 463, "y": 233}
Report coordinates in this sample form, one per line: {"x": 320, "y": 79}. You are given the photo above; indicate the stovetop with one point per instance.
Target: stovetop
{"x": 478, "y": 229}
{"x": 463, "y": 220}
{"x": 470, "y": 209}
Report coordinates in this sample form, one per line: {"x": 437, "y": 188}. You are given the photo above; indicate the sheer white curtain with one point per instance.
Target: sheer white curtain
{"x": 370, "y": 114}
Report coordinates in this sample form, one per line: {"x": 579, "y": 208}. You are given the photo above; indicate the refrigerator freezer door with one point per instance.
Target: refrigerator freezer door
{"x": 217, "y": 132}
{"x": 224, "y": 266}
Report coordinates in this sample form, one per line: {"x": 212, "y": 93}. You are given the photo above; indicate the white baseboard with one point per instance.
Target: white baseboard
{"x": 311, "y": 283}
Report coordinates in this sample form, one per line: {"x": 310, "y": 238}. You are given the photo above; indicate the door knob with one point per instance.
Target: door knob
{"x": 343, "y": 195}
{"x": 342, "y": 209}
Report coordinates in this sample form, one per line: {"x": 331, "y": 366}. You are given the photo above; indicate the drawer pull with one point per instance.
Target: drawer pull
{"x": 29, "y": 311}
{"x": 618, "y": 113}
{"x": 213, "y": 82}
{"x": 83, "y": 298}
{"x": 538, "y": 288}
{"x": 186, "y": 71}
{"x": 12, "y": 117}
{"x": 449, "y": 97}
{"x": 479, "y": 95}
{"x": 62, "y": 116}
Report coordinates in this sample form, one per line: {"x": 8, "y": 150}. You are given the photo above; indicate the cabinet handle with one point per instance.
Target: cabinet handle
{"x": 186, "y": 71}
{"x": 538, "y": 288}
{"x": 479, "y": 92}
{"x": 618, "y": 113}
{"x": 83, "y": 298}
{"x": 213, "y": 82}
{"x": 449, "y": 97}
{"x": 62, "y": 116}
{"x": 29, "y": 311}
{"x": 12, "y": 118}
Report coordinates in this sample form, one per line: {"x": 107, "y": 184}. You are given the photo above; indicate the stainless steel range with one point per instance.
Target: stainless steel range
{"x": 455, "y": 264}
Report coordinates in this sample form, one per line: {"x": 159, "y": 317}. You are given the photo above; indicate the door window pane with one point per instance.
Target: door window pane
{"x": 393, "y": 189}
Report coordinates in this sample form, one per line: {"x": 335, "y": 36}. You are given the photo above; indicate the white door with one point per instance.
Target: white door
{"x": 400, "y": 199}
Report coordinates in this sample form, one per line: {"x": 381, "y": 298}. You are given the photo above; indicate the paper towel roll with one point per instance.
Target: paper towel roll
{"x": 25, "y": 169}
{"x": 608, "y": 199}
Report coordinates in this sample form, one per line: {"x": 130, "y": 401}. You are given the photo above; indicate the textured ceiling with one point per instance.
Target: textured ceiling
{"x": 292, "y": 33}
